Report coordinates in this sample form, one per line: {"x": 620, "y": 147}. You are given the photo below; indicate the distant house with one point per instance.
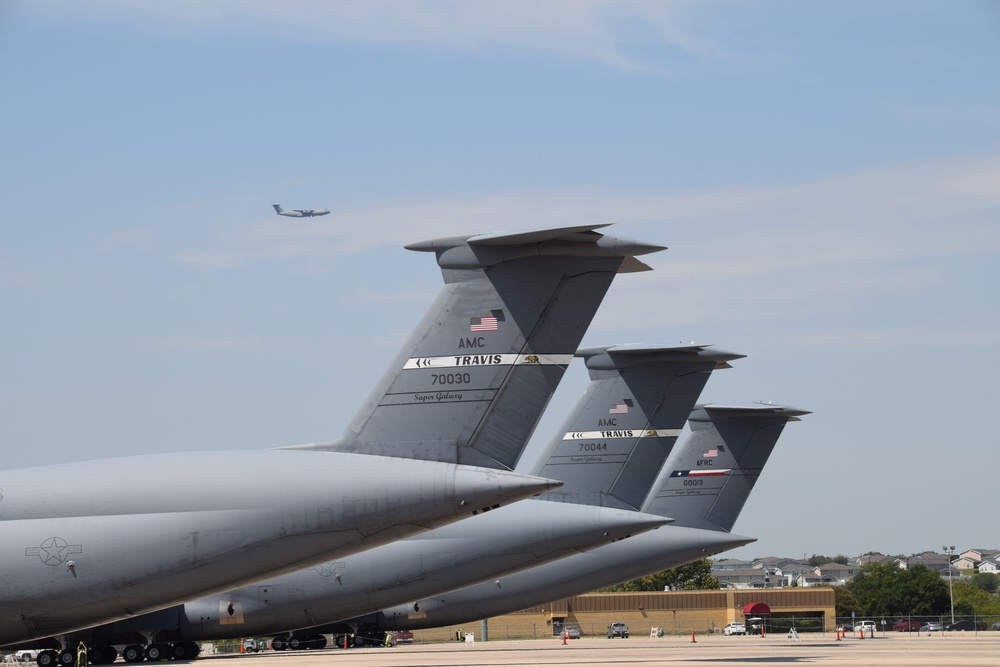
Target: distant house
{"x": 836, "y": 574}
{"x": 992, "y": 566}
{"x": 874, "y": 558}
{"x": 978, "y": 555}
{"x": 730, "y": 564}
{"x": 748, "y": 577}
{"x": 964, "y": 563}
{"x": 937, "y": 562}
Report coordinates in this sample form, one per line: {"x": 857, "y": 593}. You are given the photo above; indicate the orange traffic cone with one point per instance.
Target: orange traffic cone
{"x": 693, "y": 640}
{"x": 564, "y": 639}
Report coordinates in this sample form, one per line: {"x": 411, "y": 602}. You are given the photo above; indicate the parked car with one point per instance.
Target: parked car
{"x": 734, "y": 629}
{"x": 931, "y": 626}
{"x": 966, "y": 624}
{"x": 995, "y": 626}
{"x": 403, "y": 636}
{"x": 572, "y": 632}
{"x": 618, "y": 629}
{"x": 907, "y": 625}
{"x": 864, "y": 625}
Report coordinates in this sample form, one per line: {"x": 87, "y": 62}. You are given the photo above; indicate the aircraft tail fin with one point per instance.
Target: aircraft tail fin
{"x": 611, "y": 448}
{"x": 713, "y": 470}
{"x": 277, "y": 208}
{"x": 475, "y": 375}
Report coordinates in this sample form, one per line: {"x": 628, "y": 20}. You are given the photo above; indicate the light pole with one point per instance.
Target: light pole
{"x": 951, "y": 590}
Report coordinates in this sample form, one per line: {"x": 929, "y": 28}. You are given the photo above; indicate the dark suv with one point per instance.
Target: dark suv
{"x": 618, "y": 629}
{"x": 966, "y": 624}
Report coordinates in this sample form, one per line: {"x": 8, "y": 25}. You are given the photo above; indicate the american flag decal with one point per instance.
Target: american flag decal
{"x": 712, "y": 453}
{"x": 618, "y": 409}
{"x": 488, "y": 323}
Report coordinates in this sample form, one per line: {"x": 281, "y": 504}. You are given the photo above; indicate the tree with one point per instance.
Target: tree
{"x": 696, "y": 576}
{"x": 883, "y": 589}
{"x": 818, "y": 560}
{"x": 845, "y": 603}
{"x": 987, "y": 581}
{"x": 969, "y": 600}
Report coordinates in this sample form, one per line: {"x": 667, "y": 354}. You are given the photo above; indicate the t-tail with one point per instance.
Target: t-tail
{"x": 713, "y": 470}
{"x": 277, "y": 209}
{"x": 611, "y": 448}
{"x": 472, "y": 380}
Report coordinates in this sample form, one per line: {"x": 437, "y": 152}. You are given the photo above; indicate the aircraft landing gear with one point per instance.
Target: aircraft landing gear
{"x": 133, "y": 653}
{"x": 103, "y": 655}
{"x": 47, "y": 658}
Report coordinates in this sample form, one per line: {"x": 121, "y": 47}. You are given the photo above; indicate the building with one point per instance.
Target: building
{"x": 676, "y": 613}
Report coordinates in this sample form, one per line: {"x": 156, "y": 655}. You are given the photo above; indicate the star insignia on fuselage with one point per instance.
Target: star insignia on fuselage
{"x": 328, "y": 569}
{"x": 54, "y": 551}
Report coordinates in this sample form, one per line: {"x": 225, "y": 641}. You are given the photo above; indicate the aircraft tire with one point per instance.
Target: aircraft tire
{"x": 66, "y": 657}
{"x": 133, "y": 653}
{"x": 102, "y": 655}
{"x": 47, "y": 658}
{"x": 157, "y": 652}
{"x": 296, "y": 643}
{"x": 184, "y": 651}
{"x": 279, "y": 643}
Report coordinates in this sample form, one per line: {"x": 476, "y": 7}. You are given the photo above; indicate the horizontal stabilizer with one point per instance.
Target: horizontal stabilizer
{"x": 483, "y": 250}
{"x": 577, "y": 233}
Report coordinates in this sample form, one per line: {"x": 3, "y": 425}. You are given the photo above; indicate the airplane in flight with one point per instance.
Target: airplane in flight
{"x": 609, "y": 451}
{"x": 300, "y": 212}
{"x": 436, "y": 440}
{"x": 703, "y": 486}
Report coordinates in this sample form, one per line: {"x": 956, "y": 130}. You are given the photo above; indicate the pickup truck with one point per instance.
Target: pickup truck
{"x": 618, "y": 629}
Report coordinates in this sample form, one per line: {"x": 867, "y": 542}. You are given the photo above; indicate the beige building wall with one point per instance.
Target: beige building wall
{"x": 677, "y": 613}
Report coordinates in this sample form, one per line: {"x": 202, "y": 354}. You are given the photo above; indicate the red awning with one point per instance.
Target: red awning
{"x": 756, "y": 609}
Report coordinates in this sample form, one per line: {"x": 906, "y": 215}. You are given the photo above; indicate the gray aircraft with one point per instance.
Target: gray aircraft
{"x": 104, "y": 540}
{"x": 300, "y": 212}
{"x": 706, "y": 481}
{"x": 609, "y": 452}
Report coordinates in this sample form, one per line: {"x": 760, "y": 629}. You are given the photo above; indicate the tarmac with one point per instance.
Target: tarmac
{"x": 957, "y": 650}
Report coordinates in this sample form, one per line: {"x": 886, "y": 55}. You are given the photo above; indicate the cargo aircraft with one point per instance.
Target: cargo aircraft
{"x": 436, "y": 440}
{"x": 300, "y": 212}
{"x": 609, "y": 451}
{"x": 703, "y": 487}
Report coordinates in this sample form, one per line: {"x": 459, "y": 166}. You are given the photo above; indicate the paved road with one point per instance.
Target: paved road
{"x": 911, "y": 650}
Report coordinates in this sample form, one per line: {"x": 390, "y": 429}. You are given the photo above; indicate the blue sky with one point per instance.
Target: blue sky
{"x": 826, "y": 176}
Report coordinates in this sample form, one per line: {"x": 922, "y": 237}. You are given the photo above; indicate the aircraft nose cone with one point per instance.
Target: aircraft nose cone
{"x": 619, "y": 524}
{"x": 482, "y": 489}
{"x": 696, "y": 543}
